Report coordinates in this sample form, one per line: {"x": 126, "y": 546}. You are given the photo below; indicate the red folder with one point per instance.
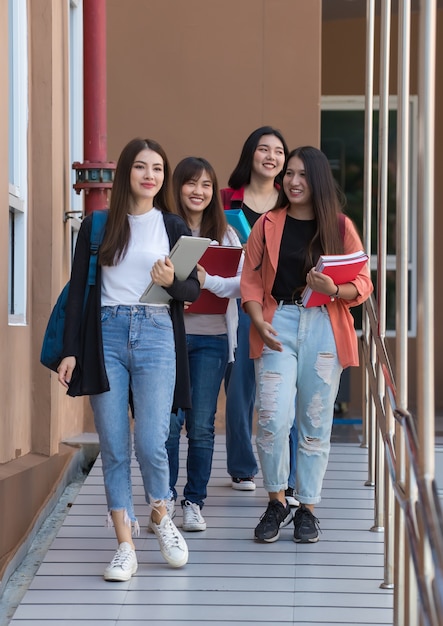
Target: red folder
{"x": 217, "y": 261}
{"x": 342, "y": 268}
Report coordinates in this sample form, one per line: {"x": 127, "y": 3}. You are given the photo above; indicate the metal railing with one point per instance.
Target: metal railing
{"x": 401, "y": 449}
{"x": 419, "y": 507}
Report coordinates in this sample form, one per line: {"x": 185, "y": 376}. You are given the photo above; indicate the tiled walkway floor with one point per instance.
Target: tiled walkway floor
{"x": 229, "y": 580}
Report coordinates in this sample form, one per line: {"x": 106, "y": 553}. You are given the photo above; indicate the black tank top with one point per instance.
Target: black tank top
{"x": 290, "y": 278}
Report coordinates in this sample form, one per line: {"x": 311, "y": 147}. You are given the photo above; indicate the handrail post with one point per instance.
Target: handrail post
{"x": 382, "y": 210}
{"x": 405, "y": 598}
{"x": 425, "y": 245}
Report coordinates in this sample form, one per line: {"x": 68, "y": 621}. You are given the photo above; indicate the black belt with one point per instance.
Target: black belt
{"x": 297, "y": 302}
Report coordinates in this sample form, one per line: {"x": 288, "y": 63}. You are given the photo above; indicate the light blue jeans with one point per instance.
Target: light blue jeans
{"x": 239, "y": 412}
{"x": 304, "y": 378}
{"x": 208, "y": 357}
{"x": 139, "y": 351}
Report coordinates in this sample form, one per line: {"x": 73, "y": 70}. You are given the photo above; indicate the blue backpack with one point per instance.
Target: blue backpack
{"x": 52, "y": 348}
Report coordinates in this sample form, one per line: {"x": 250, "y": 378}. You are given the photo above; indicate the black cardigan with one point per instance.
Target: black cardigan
{"x": 83, "y": 336}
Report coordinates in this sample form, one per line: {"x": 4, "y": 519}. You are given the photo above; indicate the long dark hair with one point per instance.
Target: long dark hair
{"x": 116, "y": 239}
{"x": 326, "y": 202}
{"x": 241, "y": 174}
{"x": 213, "y": 222}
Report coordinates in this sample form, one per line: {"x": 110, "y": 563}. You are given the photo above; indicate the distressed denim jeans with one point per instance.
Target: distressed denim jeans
{"x": 139, "y": 351}
{"x": 304, "y": 378}
{"x": 208, "y": 357}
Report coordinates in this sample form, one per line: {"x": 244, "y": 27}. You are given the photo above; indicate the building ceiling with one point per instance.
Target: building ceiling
{"x": 350, "y": 9}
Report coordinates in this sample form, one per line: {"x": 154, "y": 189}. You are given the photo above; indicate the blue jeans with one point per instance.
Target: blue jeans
{"x": 139, "y": 351}
{"x": 208, "y": 357}
{"x": 307, "y": 370}
{"x": 240, "y": 398}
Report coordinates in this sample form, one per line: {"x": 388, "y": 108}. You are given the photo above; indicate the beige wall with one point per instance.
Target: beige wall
{"x": 34, "y": 413}
{"x": 5, "y": 427}
{"x": 15, "y": 362}
{"x": 47, "y": 198}
{"x": 199, "y": 76}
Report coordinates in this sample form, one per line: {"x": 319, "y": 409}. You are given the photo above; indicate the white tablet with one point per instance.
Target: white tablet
{"x": 184, "y": 255}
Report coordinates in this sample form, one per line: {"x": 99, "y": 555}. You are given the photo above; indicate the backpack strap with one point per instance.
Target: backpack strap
{"x": 99, "y": 219}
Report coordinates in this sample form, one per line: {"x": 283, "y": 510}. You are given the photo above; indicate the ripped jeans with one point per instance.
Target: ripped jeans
{"x": 303, "y": 377}
{"x": 139, "y": 352}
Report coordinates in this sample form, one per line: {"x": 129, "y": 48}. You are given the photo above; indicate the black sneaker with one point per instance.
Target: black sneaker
{"x": 243, "y": 484}
{"x": 290, "y": 498}
{"x": 306, "y": 526}
{"x": 275, "y": 517}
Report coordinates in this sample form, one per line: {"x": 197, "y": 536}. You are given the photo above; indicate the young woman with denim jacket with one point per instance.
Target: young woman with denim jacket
{"x": 299, "y": 353}
{"x": 211, "y": 338}
{"x": 137, "y": 345}
{"x": 253, "y": 187}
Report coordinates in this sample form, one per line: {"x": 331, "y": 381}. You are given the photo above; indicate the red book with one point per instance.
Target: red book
{"x": 217, "y": 261}
{"x": 342, "y": 268}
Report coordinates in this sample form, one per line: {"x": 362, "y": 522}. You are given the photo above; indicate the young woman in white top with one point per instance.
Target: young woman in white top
{"x": 138, "y": 346}
{"x": 211, "y": 338}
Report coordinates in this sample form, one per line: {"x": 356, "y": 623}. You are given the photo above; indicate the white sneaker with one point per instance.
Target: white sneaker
{"x": 170, "y": 510}
{"x": 170, "y": 507}
{"x": 123, "y": 565}
{"x": 192, "y": 517}
{"x": 172, "y": 545}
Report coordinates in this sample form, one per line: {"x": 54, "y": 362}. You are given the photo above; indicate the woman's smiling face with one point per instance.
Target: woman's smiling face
{"x": 295, "y": 184}
{"x": 147, "y": 176}
{"x": 196, "y": 194}
{"x": 269, "y": 157}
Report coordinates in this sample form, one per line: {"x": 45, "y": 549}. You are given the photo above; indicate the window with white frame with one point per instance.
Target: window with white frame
{"x": 75, "y": 211}
{"x": 18, "y": 174}
{"x": 342, "y": 140}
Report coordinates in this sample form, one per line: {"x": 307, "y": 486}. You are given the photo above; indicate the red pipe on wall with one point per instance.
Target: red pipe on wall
{"x": 95, "y": 174}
